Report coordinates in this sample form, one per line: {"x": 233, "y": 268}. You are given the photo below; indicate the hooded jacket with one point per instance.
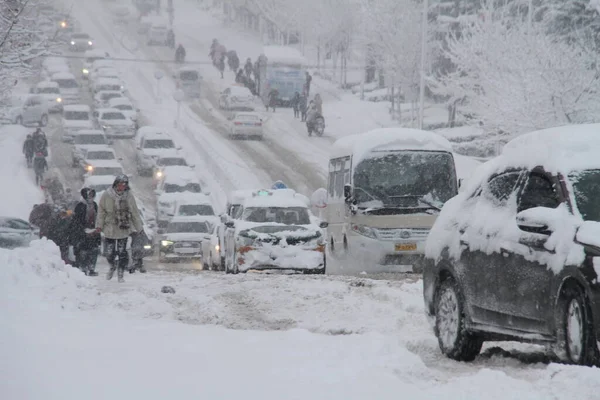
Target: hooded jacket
{"x": 107, "y": 218}
{"x": 79, "y": 224}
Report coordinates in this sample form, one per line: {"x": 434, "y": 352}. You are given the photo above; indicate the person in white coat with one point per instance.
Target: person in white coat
{"x": 118, "y": 217}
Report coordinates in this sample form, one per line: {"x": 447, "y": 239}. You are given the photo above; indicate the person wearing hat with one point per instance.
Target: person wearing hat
{"x": 118, "y": 217}
{"x": 84, "y": 237}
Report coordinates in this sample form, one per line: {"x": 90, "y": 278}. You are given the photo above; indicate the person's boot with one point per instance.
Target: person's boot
{"x": 120, "y": 273}
{"x": 91, "y": 272}
{"x": 111, "y": 272}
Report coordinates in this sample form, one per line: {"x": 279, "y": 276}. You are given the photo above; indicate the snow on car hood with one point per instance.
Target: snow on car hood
{"x": 274, "y": 233}
{"x": 153, "y": 152}
{"x": 185, "y": 236}
{"x": 71, "y": 123}
{"x": 117, "y": 122}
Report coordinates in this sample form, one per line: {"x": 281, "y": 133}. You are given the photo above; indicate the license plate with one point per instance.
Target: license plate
{"x": 405, "y": 247}
{"x": 186, "y": 245}
{"x": 186, "y": 251}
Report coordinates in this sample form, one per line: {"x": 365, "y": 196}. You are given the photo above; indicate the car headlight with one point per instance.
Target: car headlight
{"x": 58, "y": 100}
{"x": 72, "y": 43}
{"x": 85, "y": 71}
{"x": 63, "y": 24}
{"x": 217, "y": 247}
{"x": 166, "y": 243}
{"x": 89, "y": 168}
{"x": 90, "y": 43}
{"x": 148, "y": 246}
{"x": 364, "y": 231}
{"x": 159, "y": 174}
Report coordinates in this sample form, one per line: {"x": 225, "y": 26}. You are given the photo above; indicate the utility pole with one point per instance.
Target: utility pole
{"x": 423, "y": 62}
{"x": 529, "y": 16}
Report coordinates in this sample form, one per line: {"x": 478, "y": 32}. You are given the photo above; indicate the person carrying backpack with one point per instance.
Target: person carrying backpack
{"x": 118, "y": 217}
{"x": 84, "y": 236}
{"x": 28, "y": 150}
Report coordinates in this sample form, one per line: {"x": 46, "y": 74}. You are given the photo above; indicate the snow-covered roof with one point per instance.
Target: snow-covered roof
{"x": 273, "y": 201}
{"x": 77, "y": 108}
{"x": 93, "y": 53}
{"x": 63, "y": 75}
{"x": 238, "y": 196}
{"x": 387, "y": 139}
{"x": 152, "y": 131}
{"x": 193, "y": 198}
{"x": 237, "y": 90}
{"x": 119, "y": 101}
{"x": 284, "y": 55}
{"x": 47, "y": 84}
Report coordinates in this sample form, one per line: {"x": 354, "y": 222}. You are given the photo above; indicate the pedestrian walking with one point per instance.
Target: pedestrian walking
{"x": 118, "y": 217}
{"x": 84, "y": 236}
{"x": 296, "y": 104}
{"x": 303, "y": 106}
{"x": 307, "y": 83}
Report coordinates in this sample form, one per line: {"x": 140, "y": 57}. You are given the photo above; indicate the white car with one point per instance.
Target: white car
{"x": 275, "y": 232}
{"x": 85, "y": 140}
{"x": 76, "y": 117}
{"x": 168, "y": 158}
{"x": 104, "y": 72}
{"x": 247, "y": 125}
{"x": 237, "y": 97}
{"x": 102, "y": 98}
{"x": 81, "y": 42}
{"x": 152, "y": 142}
{"x": 189, "y": 80}
{"x": 15, "y": 232}
{"x": 172, "y": 189}
{"x": 111, "y": 84}
{"x": 99, "y": 183}
{"x": 183, "y": 239}
{"x": 115, "y": 123}
{"x": 92, "y": 55}
{"x": 158, "y": 33}
{"x": 51, "y": 92}
{"x": 104, "y": 167}
{"x": 55, "y": 68}
{"x": 69, "y": 87}
{"x": 95, "y": 66}
{"x": 212, "y": 249}
{"x": 27, "y": 109}
{"x": 91, "y": 156}
{"x": 124, "y": 105}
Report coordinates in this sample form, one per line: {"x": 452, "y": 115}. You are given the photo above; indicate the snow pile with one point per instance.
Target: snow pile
{"x": 14, "y": 174}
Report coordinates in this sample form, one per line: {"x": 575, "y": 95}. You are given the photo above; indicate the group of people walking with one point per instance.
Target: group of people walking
{"x": 115, "y": 215}
{"x": 35, "y": 149}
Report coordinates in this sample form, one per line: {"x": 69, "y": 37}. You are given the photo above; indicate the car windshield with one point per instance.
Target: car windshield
{"x": 196, "y": 209}
{"x": 184, "y": 227}
{"x": 90, "y": 139}
{"x": 112, "y": 116}
{"x": 124, "y": 107}
{"x": 281, "y": 215}
{"x": 188, "y": 75}
{"x": 101, "y": 187}
{"x": 190, "y": 187}
{"x": 100, "y": 155}
{"x": 76, "y": 115}
{"x": 586, "y": 188}
{"x": 48, "y": 90}
{"x": 170, "y": 162}
{"x": 108, "y": 96}
{"x": 235, "y": 210}
{"x": 67, "y": 83}
{"x": 405, "y": 180}
{"x": 159, "y": 144}
{"x": 108, "y": 171}
{"x": 80, "y": 36}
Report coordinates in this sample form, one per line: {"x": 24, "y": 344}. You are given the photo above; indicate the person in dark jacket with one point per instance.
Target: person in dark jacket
{"x": 171, "y": 39}
{"x": 240, "y": 77}
{"x": 40, "y": 165}
{"x": 41, "y": 216}
{"x": 307, "y": 83}
{"x": 296, "y": 104}
{"x": 139, "y": 241}
{"x": 272, "y": 99}
{"x": 59, "y": 231}
{"x": 28, "y": 150}
{"x": 84, "y": 237}
{"x": 180, "y": 54}
{"x": 303, "y": 106}
{"x": 40, "y": 142}
{"x": 221, "y": 64}
{"x": 233, "y": 60}
{"x": 248, "y": 68}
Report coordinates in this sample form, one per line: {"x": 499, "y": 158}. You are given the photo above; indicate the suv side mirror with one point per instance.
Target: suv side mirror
{"x": 229, "y": 224}
{"x": 541, "y": 220}
{"x": 323, "y": 225}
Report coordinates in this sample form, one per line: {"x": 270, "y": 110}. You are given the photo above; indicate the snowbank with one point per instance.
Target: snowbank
{"x": 20, "y": 192}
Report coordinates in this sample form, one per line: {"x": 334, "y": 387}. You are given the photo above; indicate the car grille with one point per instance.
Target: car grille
{"x": 187, "y": 245}
{"x": 393, "y": 234}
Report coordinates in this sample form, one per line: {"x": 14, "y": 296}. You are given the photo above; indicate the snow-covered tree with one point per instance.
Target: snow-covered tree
{"x": 512, "y": 78}
{"x": 22, "y": 41}
{"x": 573, "y": 20}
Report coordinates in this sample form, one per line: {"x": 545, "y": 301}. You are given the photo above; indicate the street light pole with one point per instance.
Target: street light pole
{"x": 423, "y": 62}
{"x": 529, "y": 16}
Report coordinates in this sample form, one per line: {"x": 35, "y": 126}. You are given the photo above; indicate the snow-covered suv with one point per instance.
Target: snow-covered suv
{"x": 152, "y": 142}
{"x": 115, "y": 123}
{"x": 515, "y": 255}
{"x": 28, "y": 110}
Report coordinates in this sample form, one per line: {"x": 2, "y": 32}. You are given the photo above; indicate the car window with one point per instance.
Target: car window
{"x": 501, "y": 187}
{"x": 17, "y": 224}
{"x": 539, "y": 191}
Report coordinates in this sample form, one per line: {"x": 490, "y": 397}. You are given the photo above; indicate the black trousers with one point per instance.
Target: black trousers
{"x": 117, "y": 248}
{"x": 86, "y": 258}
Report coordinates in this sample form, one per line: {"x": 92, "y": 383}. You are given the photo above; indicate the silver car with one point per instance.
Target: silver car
{"x": 15, "y": 232}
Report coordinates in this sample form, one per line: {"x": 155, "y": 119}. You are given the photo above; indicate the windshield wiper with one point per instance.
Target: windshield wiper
{"x": 419, "y": 198}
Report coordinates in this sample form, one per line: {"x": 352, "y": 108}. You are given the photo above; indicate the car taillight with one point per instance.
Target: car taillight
{"x": 237, "y": 123}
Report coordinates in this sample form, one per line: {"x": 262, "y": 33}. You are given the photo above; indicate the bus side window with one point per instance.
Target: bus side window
{"x": 346, "y": 170}
{"x": 339, "y": 178}
{"x": 331, "y": 180}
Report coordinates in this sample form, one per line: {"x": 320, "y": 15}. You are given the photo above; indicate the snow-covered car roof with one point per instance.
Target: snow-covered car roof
{"x": 119, "y": 101}
{"x": 273, "y": 201}
{"x": 388, "y": 139}
{"x": 237, "y": 90}
{"x": 283, "y": 55}
{"x": 54, "y": 60}
{"x": 152, "y": 132}
{"x": 170, "y": 153}
{"x": 63, "y": 75}
{"x": 101, "y": 111}
{"x": 77, "y": 108}
{"x": 238, "y": 196}
{"x": 94, "y": 180}
{"x": 100, "y": 147}
{"x": 85, "y": 132}
{"x": 46, "y": 84}
{"x": 193, "y": 198}
{"x": 93, "y": 53}
{"x": 181, "y": 179}
{"x": 107, "y": 81}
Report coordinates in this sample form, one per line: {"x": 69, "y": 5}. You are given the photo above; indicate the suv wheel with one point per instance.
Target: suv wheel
{"x": 44, "y": 120}
{"x": 455, "y": 341}
{"x": 576, "y": 339}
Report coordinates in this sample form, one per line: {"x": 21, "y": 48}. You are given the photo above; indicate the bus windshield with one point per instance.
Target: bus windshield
{"x": 416, "y": 180}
